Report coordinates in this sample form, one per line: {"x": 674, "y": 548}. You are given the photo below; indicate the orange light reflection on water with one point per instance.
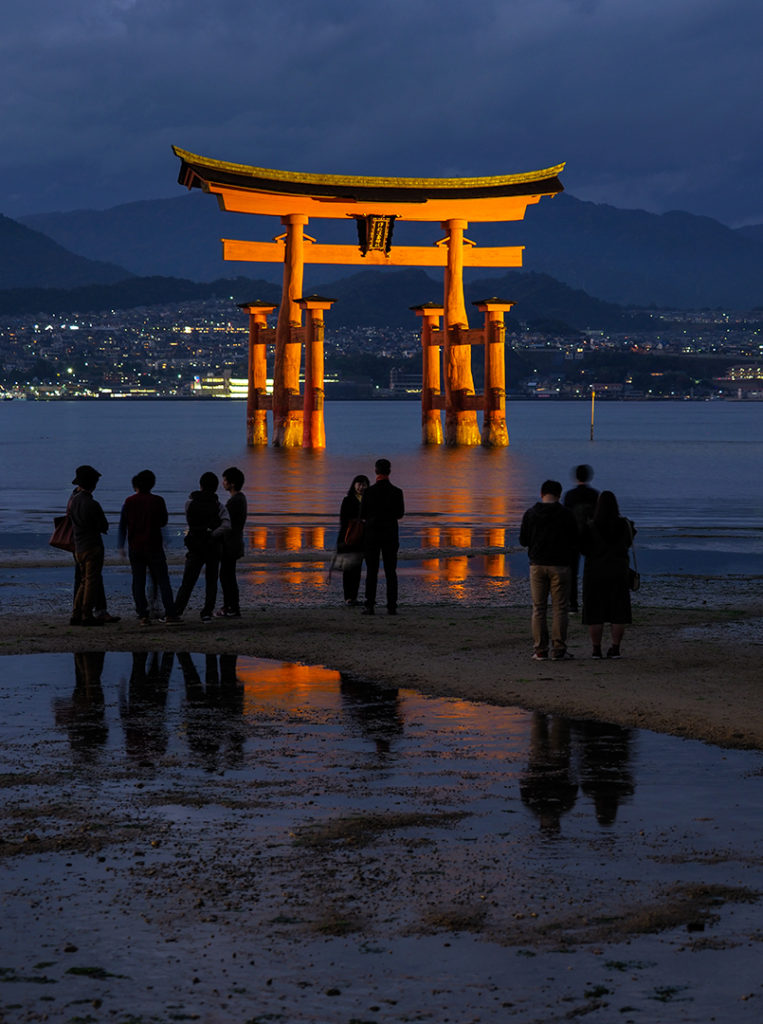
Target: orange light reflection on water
{"x": 286, "y": 683}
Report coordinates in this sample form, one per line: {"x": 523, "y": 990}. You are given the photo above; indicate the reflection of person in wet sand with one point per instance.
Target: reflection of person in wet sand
{"x": 605, "y": 767}
{"x": 84, "y": 714}
{"x": 142, "y": 705}
{"x": 376, "y": 709}
{"x": 214, "y": 711}
{"x": 547, "y": 786}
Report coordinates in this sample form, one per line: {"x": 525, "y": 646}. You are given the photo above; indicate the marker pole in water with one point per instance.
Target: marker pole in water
{"x": 593, "y": 399}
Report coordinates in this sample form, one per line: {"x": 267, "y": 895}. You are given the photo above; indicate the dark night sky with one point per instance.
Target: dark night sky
{"x": 654, "y": 104}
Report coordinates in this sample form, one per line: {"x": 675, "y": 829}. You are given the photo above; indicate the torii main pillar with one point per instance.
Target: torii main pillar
{"x": 287, "y": 416}
{"x": 461, "y": 426}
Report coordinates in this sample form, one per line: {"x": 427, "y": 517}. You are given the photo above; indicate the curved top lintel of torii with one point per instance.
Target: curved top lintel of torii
{"x": 248, "y": 189}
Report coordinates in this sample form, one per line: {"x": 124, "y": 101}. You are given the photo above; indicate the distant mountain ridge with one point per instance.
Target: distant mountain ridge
{"x": 31, "y": 259}
{"x": 629, "y": 257}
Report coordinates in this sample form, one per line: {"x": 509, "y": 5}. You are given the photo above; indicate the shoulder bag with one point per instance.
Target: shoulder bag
{"x": 63, "y": 533}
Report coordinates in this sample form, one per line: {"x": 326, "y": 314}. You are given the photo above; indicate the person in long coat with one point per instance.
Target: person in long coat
{"x": 351, "y": 511}
{"x": 605, "y": 543}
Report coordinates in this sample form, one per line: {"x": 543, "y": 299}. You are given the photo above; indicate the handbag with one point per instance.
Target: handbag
{"x": 353, "y": 536}
{"x": 63, "y": 533}
{"x": 346, "y": 560}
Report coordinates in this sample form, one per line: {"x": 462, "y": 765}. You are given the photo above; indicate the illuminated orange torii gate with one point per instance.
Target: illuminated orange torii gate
{"x": 375, "y": 204}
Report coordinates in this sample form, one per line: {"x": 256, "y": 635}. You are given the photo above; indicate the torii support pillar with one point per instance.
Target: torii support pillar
{"x": 431, "y": 421}
{"x": 287, "y": 420}
{"x": 257, "y": 399}
{"x": 313, "y": 425}
{"x": 461, "y": 428}
{"x": 494, "y": 432}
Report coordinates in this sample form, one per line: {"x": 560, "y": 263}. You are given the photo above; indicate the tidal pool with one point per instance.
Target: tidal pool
{"x": 223, "y": 838}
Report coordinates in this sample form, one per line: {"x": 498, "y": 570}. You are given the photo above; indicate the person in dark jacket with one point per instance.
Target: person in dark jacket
{"x": 143, "y": 517}
{"x": 580, "y": 500}
{"x": 232, "y": 542}
{"x": 88, "y": 525}
{"x": 606, "y": 596}
{"x": 383, "y": 506}
{"x": 205, "y": 516}
{"x": 352, "y": 511}
{"x": 550, "y": 534}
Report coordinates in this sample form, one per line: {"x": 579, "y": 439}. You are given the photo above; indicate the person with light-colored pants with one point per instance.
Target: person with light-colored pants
{"x": 550, "y": 534}
{"x": 553, "y": 581}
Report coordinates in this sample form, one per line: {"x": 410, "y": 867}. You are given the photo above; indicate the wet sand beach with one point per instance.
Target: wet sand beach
{"x": 691, "y": 662}
{"x": 468, "y": 836}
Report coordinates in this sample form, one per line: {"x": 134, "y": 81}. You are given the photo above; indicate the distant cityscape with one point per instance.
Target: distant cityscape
{"x": 198, "y": 350}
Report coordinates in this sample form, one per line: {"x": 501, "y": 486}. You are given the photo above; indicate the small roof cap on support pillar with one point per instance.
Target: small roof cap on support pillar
{"x": 428, "y": 309}
{"x": 315, "y": 302}
{"x": 257, "y": 304}
{"x": 493, "y": 305}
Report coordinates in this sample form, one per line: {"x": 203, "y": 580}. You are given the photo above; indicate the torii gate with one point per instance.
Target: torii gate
{"x": 375, "y": 204}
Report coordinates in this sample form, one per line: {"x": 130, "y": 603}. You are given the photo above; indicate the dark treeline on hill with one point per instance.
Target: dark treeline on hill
{"x": 371, "y": 298}
{"x": 132, "y": 293}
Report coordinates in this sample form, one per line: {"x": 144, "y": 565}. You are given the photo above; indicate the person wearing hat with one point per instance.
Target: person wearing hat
{"x": 88, "y": 525}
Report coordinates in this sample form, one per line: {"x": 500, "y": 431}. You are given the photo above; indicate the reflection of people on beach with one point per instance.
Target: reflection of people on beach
{"x": 383, "y": 506}
{"x": 605, "y": 767}
{"x": 232, "y": 542}
{"x": 143, "y": 517}
{"x": 580, "y": 500}
{"x": 351, "y": 513}
{"x": 547, "y": 786}
{"x": 606, "y": 597}
{"x": 142, "y": 705}
{"x": 375, "y": 708}
{"x": 83, "y": 715}
{"x": 214, "y": 711}
{"x": 207, "y": 519}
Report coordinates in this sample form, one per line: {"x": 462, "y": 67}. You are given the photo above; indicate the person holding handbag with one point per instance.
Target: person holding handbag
{"x": 350, "y": 539}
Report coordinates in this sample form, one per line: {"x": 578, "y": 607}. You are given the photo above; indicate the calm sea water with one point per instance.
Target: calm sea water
{"x": 688, "y": 473}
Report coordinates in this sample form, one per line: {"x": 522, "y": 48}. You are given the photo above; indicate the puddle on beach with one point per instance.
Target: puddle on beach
{"x": 224, "y": 838}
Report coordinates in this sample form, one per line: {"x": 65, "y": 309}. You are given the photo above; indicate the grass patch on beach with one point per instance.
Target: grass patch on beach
{"x": 361, "y": 829}
{"x": 454, "y": 919}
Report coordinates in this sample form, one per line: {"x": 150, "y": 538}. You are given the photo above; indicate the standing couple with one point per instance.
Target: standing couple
{"x": 378, "y": 507}
{"x": 556, "y": 534}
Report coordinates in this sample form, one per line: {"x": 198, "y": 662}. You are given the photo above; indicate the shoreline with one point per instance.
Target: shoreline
{"x": 691, "y": 672}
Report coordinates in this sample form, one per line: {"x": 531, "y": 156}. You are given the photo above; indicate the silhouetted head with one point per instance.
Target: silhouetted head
{"x": 144, "y": 481}
{"x": 234, "y": 476}
{"x": 208, "y": 482}
{"x": 607, "y": 509}
{"x": 583, "y": 473}
{"x": 86, "y": 477}
{"x": 383, "y": 467}
{"x": 552, "y": 487}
